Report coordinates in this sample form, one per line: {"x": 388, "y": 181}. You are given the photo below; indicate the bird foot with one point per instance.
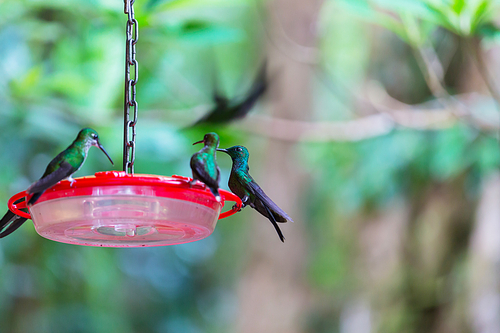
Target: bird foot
{"x": 237, "y": 208}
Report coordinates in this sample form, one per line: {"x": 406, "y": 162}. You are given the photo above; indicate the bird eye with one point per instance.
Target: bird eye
{"x": 239, "y": 149}
{"x": 94, "y": 136}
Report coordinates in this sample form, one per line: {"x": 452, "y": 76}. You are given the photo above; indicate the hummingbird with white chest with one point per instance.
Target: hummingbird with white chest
{"x": 63, "y": 166}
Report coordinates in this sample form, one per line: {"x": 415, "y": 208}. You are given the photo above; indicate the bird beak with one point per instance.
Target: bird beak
{"x": 224, "y": 150}
{"x": 198, "y": 142}
{"x": 105, "y": 152}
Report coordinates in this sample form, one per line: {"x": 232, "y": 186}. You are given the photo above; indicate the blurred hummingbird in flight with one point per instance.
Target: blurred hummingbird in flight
{"x": 63, "y": 166}
{"x": 250, "y": 193}
{"x": 226, "y": 110}
{"x": 204, "y": 166}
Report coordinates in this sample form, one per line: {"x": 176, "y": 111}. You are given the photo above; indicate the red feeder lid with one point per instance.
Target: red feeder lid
{"x": 117, "y": 209}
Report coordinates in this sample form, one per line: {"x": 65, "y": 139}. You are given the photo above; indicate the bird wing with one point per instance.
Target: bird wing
{"x": 202, "y": 173}
{"x": 227, "y": 110}
{"x": 217, "y": 114}
{"x": 64, "y": 171}
{"x": 259, "y": 87}
{"x": 265, "y": 203}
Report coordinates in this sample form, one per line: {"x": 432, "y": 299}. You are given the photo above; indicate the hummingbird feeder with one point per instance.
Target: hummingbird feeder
{"x": 120, "y": 208}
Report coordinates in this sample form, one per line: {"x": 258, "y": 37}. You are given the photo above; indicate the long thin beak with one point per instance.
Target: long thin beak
{"x": 198, "y": 142}
{"x": 224, "y": 150}
{"x": 105, "y": 152}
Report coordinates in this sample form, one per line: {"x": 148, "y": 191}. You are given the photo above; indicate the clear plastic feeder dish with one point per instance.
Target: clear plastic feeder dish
{"x": 116, "y": 209}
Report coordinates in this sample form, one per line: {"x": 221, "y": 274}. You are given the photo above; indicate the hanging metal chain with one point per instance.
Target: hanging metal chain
{"x": 130, "y": 83}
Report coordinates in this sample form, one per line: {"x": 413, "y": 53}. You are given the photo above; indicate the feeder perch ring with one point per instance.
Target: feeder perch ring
{"x": 117, "y": 209}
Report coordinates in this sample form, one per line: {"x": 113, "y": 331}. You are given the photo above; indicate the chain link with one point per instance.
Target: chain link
{"x": 130, "y": 92}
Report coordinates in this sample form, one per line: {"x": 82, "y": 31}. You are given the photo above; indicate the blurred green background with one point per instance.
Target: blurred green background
{"x": 378, "y": 135}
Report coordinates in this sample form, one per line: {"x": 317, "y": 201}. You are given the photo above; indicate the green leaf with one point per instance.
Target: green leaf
{"x": 444, "y": 17}
{"x": 392, "y": 24}
{"x": 488, "y": 30}
{"x": 368, "y": 13}
{"x": 204, "y": 32}
{"x": 488, "y": 155}
{"x": 480, "y": 15}
{"x": 458, "y": 6}
{"x": 67, "y": 83}
{"x": 196, "y": 4}
{"x": 451, "y": 154}
{"x": 417, "y": 8}
{"x": 28, "y": 82}
{"x": 412, "y": 29}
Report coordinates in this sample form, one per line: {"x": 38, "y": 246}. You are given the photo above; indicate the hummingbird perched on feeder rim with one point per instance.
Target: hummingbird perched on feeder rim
{"x": 250, "y": 193}
{"x": 63, "y": 166}
{"x": 204, "y": 166}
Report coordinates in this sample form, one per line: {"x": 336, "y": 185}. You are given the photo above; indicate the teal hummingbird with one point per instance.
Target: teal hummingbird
{"x": 204, "y": 166}
{"x": 250, "y": 193}
{"x": 63, "y": 166}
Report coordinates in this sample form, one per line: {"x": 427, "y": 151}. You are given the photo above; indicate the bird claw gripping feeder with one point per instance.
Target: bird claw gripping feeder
{"x": 120, "y": 208}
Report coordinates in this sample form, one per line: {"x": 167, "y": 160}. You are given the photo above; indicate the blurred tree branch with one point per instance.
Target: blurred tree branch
{"x": 477, "y": 55}
{"x": 391, "y": 115}
{"x": 433, "y": 71}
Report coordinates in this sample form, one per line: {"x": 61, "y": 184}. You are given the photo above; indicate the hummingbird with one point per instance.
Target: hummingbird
{"x": 204, "y": 166}
{"x": 250, "y": 193}
{"x": 226, "y": 110}
{"x": 63, "y": 166}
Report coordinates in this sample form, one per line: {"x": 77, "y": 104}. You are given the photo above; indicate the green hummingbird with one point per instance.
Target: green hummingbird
{"x": 204, "y": 166}
{"x": 63, "y": 166}
{"x": 250, "y": 193}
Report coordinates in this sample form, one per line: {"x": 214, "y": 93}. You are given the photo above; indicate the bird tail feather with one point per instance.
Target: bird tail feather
{"x": 16, "y": 223}
{"x": 275, "y": 225}
{"x": 215, "y": 192}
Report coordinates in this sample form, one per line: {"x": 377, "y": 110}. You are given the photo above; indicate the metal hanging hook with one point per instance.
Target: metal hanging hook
{"x": 132, "y": 32}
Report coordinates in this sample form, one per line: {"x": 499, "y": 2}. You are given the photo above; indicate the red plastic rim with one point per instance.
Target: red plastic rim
{"x": 16, "y": 208}
{"x": 168, "y": 186}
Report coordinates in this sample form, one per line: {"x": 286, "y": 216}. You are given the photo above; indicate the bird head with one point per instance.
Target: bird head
{"x": 210, "y": 139}
{"x": 91, "y": 138}
{"x": 236, "y": 152}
